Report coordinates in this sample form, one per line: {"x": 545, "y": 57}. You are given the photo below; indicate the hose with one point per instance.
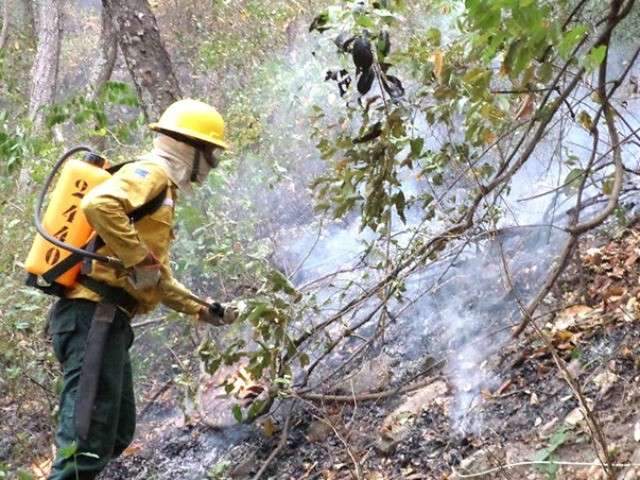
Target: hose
{"x": 38, "y": 213}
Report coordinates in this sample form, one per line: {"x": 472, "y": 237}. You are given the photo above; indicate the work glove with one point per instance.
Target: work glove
{"x": 145, "y": 274}
{"x": 217, "y": 314}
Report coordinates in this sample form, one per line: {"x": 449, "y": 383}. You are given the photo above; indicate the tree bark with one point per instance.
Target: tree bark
{"x": 5, "y": 24}
{"x": 30, "y": 15}
{"x": 147, "y": 59}
{"x": 44, "y": 74}
{"x": 103, "y": 65}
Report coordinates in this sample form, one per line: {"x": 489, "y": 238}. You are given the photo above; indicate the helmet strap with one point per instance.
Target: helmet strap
{"x": 196, "y": 165}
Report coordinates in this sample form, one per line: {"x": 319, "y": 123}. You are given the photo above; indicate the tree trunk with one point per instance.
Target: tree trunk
{"x": 146, "y": 57}
{"x": 103, "y": 65}
{"x": 30, "y": 15}
{"x": 5, "y": 24}
{"x": 44, "y": 74}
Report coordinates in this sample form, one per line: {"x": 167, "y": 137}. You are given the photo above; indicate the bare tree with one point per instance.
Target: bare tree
{"x": 146, "y": 57}
{"x": 104, "y": 63}
{"x": 44, "y": 74}
{"x": 5, "y": 24}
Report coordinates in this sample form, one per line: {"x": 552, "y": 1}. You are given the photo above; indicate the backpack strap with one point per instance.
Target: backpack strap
{"x": 114, "y": 168}
{"x": 139, "y": 213}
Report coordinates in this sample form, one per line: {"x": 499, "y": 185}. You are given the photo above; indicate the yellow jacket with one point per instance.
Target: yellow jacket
{"x": 107, "y": 207}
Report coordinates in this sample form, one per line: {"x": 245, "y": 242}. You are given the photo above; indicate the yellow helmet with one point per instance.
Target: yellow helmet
{"x": 194, "y": 119}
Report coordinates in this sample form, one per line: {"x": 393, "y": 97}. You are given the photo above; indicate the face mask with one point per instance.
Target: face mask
{"x": 203, "y": 162}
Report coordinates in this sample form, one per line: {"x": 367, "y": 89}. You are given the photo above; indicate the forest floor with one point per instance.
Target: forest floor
{"x": 532, "y": 415}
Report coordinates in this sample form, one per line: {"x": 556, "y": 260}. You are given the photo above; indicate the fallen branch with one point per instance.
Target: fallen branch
{"x": 155, "y": 396}
{"x": 365, "y": 397}
{"x": 283, "y": 440}
{"x": 344, "y": 442}
{"x": 147, "y": 322}
{"x": 541, "y": 462}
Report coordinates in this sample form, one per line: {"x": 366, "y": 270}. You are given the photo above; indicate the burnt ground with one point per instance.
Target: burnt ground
{"x": 529, "y": 414}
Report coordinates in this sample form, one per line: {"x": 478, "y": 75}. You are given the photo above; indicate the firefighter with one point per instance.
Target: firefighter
{"x": 91, "y": 325}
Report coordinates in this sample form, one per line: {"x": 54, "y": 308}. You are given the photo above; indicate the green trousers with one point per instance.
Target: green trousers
{"x": 113, "y": 418}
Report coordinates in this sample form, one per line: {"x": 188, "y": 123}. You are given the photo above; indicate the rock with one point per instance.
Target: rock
{"x": 484, "y": 459}
{"x": 245, "y": 468}
{"x": 372, "y": 376}
{"x": 395, "y": 426}
{"x": 318, "y": 431}
{"x": 386, "y": 445}
{"x": 605, "y": 380}
{"x": 575, "y": 416}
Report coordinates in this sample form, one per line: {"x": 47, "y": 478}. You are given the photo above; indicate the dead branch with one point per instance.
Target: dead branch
{"x": 155, "y": 396}
{"x": 576, "y": 229}
{"x": 147, "y": 322}
{"x": 344, "y": 442}
{"x": 592, "y": 423}
{"x": 367, "y": 397}
{"x": 283, "y": 441}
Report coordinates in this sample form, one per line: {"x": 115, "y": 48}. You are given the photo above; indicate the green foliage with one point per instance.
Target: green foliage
{"x": 258, "y": 29}
{"x": 546, "y": 454}
{"x": 456, "y": 75}
{"x": 219, "y": 471}
{"x": 17, "y": 143}
{"x": 92, "y": 113}
{"x": 271, "y": 353}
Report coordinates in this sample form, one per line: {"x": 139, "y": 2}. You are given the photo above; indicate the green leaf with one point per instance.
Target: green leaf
{"x": 544, "y": 72}
{"x": 319, "y": 23}
{"x": 237, "y": 413}
{"x": 256, "y": 312}
{"x": 282, "y": 283}
{"x": 400, "y": 202}
{"x": 434, "y": 36}
{"x": 364, "y": 21}
{"x": 119, "y": 93}
{"x": 304, "y": 359}
{"x": 573, "y": 180}
{"x": 595, "y": 57}
{"x": 585, "y": 120}
{"x": 68, "y": 451}
{"x": 570, "y": 40}
{"x": 417, "y": 144}
{"x": 607, "y": 185}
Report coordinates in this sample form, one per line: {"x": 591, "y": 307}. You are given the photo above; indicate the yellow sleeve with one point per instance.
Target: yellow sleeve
{"x": 107, "y": 207}
{"x": 175, "y": 295}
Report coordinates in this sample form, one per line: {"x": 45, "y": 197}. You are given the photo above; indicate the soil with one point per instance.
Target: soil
{"x": 532, "y": 414}
{"x": 527, "y": 412}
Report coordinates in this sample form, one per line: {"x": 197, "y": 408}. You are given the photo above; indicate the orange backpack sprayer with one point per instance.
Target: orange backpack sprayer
{"x": 53, "y": 262}
{"x": 55, "y": 259}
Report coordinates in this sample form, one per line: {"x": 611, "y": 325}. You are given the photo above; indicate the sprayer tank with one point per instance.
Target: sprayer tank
{"x": 64, "y": 219}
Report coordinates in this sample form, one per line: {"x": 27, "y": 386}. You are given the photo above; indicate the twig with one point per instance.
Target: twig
{"x": 155, "y": 396}
{"x": 365, "y": 397}
{"x": 283, "y": 440}
{"x": 147, "y": 322}
{"x": 311, "y": 249}
{"x": 344, "y": 442}
{"x": 541, "y": 462}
